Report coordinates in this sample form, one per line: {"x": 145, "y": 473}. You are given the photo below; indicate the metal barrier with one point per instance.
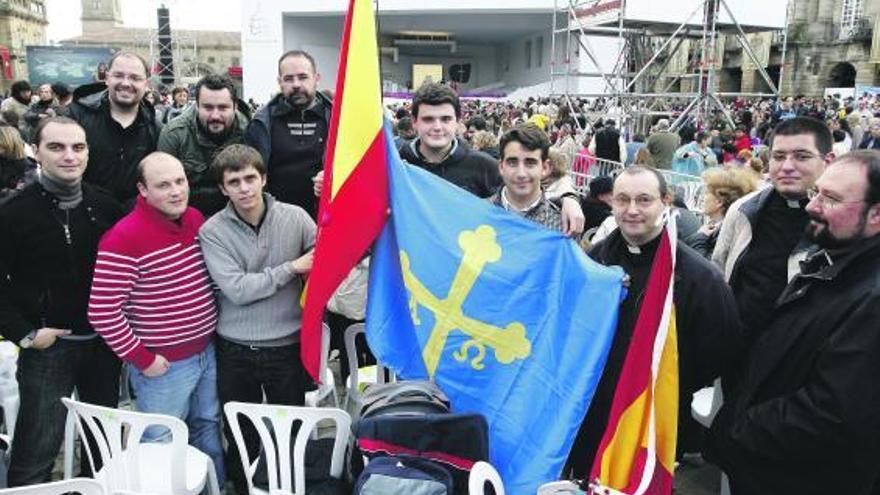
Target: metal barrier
{"x": 688, "y": 187}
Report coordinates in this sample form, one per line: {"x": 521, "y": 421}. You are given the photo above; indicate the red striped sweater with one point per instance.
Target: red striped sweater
{"x": 151, "y": 292}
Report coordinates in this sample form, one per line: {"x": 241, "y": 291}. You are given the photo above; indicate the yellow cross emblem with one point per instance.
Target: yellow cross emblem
{"x": 478, "y": 249}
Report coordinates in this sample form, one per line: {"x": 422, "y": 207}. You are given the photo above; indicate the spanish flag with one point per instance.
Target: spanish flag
{"x": 354, "y": 200}
{"x": 637, "y": 453}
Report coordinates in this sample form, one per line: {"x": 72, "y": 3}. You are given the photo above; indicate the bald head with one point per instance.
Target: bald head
{"x": 162, "y": 184}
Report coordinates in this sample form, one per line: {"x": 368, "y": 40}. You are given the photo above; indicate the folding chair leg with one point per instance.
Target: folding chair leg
{"x": 213, "y": 485}
{"x": 69, "y": 444}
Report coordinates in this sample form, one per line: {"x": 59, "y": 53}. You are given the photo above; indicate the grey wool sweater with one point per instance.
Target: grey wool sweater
{"x": 259, "y": 294}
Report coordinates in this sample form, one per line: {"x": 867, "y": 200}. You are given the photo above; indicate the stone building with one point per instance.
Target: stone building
{"x": 831, "y": 44}
{"x": 22, "y": 23}
{"x": 196, "y": 53}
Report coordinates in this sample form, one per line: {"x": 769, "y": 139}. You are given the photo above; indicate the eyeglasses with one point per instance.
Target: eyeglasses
{"x": 827, "y": 202}
{"x": 642, "y": 201}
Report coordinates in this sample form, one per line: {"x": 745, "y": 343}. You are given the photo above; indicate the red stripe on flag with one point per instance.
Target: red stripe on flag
{"x": 350, "y": 224}
{"x": 636, "y": 377}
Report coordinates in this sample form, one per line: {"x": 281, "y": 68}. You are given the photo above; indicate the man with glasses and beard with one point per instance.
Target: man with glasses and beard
{"x": 290, "y": 132}
{"x": 120, "y": 125}
{"x": 806, "y": 419}
{"x": 199, "y": 134}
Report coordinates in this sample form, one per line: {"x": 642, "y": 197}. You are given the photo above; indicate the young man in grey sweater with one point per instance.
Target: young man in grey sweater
{"x": 256, "y": 249}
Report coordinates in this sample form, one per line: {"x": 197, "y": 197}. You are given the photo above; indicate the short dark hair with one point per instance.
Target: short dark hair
{"x": 870, "y": 160}
{"x": 60, "y": 89}
{"x": 124, "y": 53}
{"x": 297, "y": 53}
{"x": 701, "y": 136}
{"x": 179, "y": 89}
{"x": 435, "y": 94}
{"x": 529, "y": 136}
{"x": 644, "y": 169}
{"x": 216, "y": 82}
{"x": 37, "y": 136}
{"x": 234, "y": 158}
{"x": 805, "y": 125}
{"x": 404, "y": 124}
{"x": 477, "y": 122}
{"x": 19, "y": 86}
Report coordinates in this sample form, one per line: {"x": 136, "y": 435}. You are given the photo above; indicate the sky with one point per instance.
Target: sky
{"x": 224, "y": 15}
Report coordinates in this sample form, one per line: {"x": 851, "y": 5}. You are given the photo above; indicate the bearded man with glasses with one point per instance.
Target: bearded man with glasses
{"x": 806, "y": 418}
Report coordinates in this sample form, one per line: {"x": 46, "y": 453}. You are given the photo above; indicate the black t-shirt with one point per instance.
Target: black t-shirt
{"x": 298, "y": 141}
{"x": 763, "y": 270}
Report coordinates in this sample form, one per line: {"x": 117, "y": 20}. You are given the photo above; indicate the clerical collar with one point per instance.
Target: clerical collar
{"x": 511, "y": 207}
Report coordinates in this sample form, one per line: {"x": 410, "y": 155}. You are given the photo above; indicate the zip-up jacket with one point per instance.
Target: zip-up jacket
{"x": 46, "y": 268}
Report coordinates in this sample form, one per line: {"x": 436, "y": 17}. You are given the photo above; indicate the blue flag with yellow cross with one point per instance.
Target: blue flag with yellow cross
{"x": 510, "y": 319}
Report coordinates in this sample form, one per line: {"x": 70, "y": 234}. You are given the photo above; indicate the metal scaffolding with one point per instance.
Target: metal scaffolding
{"x": 640, "y": 84}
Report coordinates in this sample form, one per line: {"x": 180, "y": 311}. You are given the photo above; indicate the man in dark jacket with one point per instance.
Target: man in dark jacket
{"x": 436, "y": 110}
{"x": 290, "y": 131}
{"x": 705, "y": 311}
{"x": 806, "y": 419}
{"x": 200, "y": 133}
{"x": 120, "y": 125}
{"x": 49, "y": 236}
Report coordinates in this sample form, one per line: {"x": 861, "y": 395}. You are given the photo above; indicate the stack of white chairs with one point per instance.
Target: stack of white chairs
{"x": 172, "y": 468}
{"x": 274, "y": 425}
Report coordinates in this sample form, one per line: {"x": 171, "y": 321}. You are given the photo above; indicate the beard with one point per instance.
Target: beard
{"x": 817, "y": 231}
{"x": 300, "y": 99}
{"x": 216, "y": 137}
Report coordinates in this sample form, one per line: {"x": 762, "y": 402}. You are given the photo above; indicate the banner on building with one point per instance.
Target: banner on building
{"x": 72, "y": 65}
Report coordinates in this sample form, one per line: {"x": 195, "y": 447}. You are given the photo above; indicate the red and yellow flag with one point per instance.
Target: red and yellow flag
{"x": 637, "y": 452}
{"x": 354, "y": 199}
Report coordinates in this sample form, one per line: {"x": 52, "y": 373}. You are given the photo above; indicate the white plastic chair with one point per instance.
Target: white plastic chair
{"x": 9, "y": 398}
{"x": 276, "y": 443}
{"x": 327, "y": 388}
{"x": 83, "y": 486}
{"x": 70, "y": 439}
{"x": 704, "y": 406}
{"x": 358, "y": 375}
{"x": 172, "y": 468}
{"x": 482, "y": 472}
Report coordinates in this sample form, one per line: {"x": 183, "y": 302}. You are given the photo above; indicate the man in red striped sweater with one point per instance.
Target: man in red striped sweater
{"x": 153, "y": 303}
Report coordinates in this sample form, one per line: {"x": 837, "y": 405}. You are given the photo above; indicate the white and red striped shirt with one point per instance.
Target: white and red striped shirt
{"x": 151, "y": 292}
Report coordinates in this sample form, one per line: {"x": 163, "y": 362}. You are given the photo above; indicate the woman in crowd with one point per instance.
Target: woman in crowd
{"x": 722, "y": 186}
{"x": 15, "y": 167}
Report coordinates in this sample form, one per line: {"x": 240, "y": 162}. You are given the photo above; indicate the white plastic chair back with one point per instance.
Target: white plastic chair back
{"x": 70, "y": 439}
{"x": 83, "y": 486}
{"x": 118, "y": 435}
{"x": 560, "y": 488}
{"x": 706, "y": 402}
{"x": 482, "y": 472}
{"x": 356, "y": 374}
{"x": 327, "y": 388}
{"x": 276, "y": 442}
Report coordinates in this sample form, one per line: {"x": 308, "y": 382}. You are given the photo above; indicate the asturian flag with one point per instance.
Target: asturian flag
{"x": 511, "y": 320}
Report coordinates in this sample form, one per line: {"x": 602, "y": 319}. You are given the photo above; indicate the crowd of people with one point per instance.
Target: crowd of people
{"x": 173, "y": 241}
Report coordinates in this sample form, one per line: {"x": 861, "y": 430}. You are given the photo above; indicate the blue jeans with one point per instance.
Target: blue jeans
{"x": 44, "y": 377}
{"x": 188, "y": 390}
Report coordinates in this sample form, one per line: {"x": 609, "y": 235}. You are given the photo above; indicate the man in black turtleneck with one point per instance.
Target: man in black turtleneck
{"x": 707, "y": 324}
{"x": 49, "y": 235}
{"x": 290, "y": 132}
{"x": 761, "y": 240}
{"x": 199, "y": 134}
